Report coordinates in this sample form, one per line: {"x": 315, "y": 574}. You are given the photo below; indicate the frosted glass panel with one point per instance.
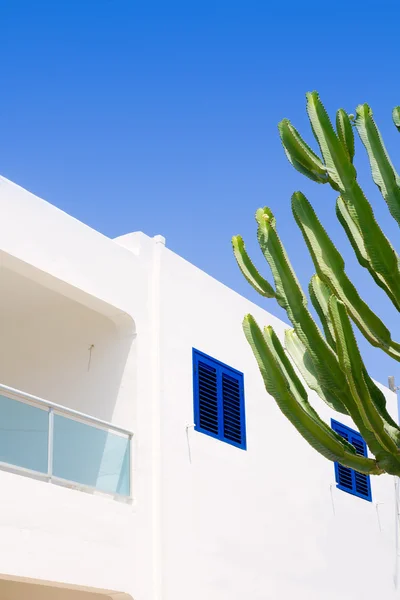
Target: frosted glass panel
{"x": 91, "y": 456}
{"x": 24, "y": 433}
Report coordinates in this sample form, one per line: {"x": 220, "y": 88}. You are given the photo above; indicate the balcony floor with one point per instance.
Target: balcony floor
{"x": 36, "y": 590}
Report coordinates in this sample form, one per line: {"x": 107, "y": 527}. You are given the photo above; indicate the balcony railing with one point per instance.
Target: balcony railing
{"x": 53, "y": 442}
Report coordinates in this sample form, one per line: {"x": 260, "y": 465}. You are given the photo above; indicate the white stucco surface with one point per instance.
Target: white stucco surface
{"x": 268, "y": 522}
{"x": 207, "y": 520}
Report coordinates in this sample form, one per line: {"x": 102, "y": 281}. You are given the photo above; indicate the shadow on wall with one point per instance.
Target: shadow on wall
{"x": 58, "y": 349}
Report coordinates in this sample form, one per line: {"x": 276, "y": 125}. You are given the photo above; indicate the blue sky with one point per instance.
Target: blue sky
{"x": 162, "y": 117}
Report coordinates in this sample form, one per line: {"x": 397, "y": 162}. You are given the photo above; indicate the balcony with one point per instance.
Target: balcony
{"x": 69, "y": 384}
{"x": 63, "y": 446}
{"x": 67, "y": 371}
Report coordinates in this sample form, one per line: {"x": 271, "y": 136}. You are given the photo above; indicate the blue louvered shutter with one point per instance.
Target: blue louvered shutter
{"x": 232, "y": 407}
{"x": 208, "y": 397}
{"x": 218, "y": 400}
{"x": 361, "y": 481}
{"x": 347, "y": 479}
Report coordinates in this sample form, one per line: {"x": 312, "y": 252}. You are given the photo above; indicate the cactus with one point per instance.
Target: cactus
{"x": 328, "y": 359}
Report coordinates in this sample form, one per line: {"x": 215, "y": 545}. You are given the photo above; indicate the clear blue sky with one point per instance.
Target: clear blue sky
{"x": 161, "y": 117}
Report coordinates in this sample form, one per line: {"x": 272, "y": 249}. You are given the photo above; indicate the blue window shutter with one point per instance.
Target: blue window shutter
{"x": 232, "y": 407}
{"x": 347, "y": 479}
{"x": 208, "y": 397}
{"x": 218, "y": 400}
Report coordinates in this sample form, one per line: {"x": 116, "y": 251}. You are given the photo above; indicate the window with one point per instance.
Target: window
{"x": 218, "y": 400}
{"x": 347, "y": 479}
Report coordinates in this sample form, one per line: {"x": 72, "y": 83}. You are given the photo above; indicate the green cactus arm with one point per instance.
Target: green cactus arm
{"x": 303, "y": 361}
{"x": 382, "y": 256}
{"x": 248, "y": 269}
{"x": 295, "y": 407}
{"x": 295, "y": 386}
{"x": 353, "y": 366}
{"x": 345, "y": 132}
{"x": 396, "y": 117}
{"x": 378, "y": 398}
{"x": 320, "y": 294}
{"x": 301, "y": 169}
{"x": 291, "y": 298}
{"x": 342, "y": 176}
{"x": 293, "y": 381}
{"x": 300, "y": 154}
{"x": 330, "y": 268}
{"x": 357, "y": 242}
{"x": 340, "y": 170}
{"x": 383, "y": 171}
{"x": 286, "y": 283}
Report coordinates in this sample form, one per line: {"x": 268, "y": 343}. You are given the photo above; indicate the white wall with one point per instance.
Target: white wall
{"x": 68, "y": 287}
{"x": 208, "y": 520}
{"x": 62, "y": 351}
{"x": 69, "y": 256}
{"x": 56, "y": 534}
{"x": 267, "y": 523}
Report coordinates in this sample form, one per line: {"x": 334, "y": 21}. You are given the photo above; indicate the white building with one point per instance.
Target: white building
{"x": 107, "y": 489}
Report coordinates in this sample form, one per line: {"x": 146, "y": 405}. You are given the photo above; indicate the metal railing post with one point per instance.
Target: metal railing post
{"x": 50, "y": 444}
{"x": 130, "y": 473}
